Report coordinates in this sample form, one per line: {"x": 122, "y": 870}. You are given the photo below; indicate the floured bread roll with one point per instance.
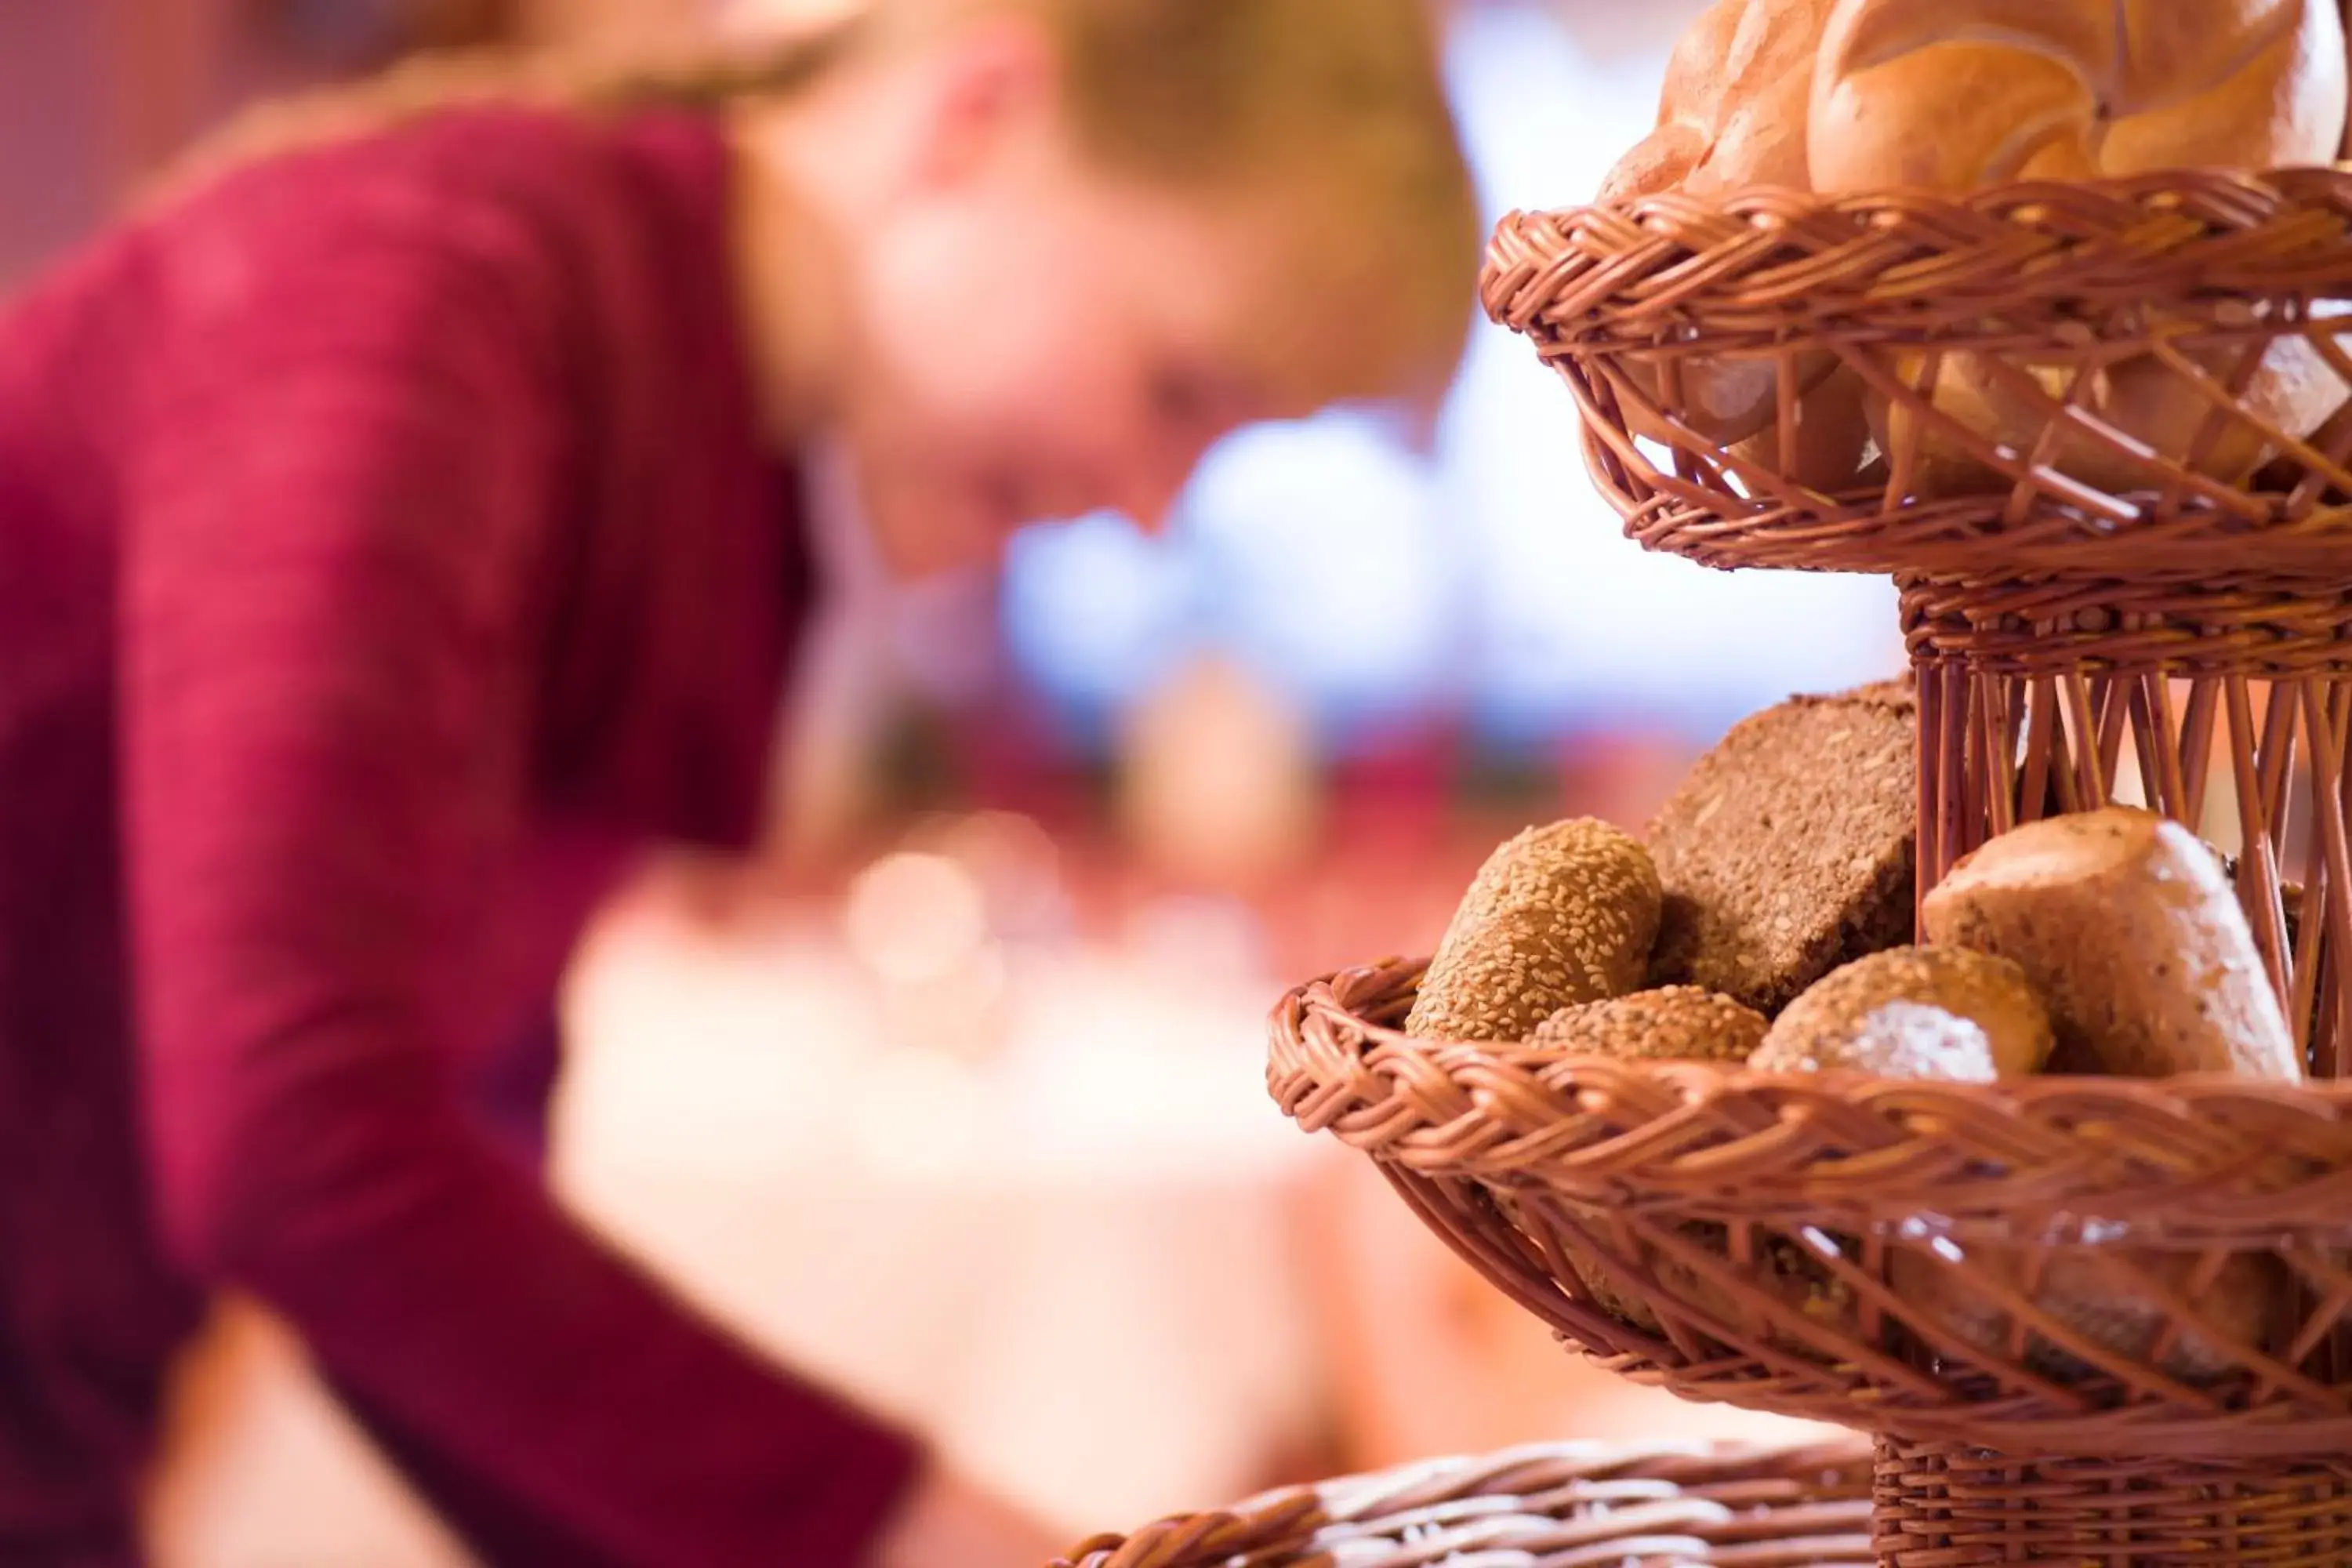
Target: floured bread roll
{"x": 1732, "y": 114}
{"x": 1906, "y": 1013}
{"x": 1954, "y": 95}
{"x": 1915, "y": 1012}
{"x": 2126, "y": 925}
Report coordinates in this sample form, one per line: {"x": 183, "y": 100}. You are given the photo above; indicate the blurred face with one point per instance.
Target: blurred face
{"x": 1034, "y": 338}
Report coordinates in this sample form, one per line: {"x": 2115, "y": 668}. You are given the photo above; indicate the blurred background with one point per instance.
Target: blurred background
{"x": 955, "y": 1094}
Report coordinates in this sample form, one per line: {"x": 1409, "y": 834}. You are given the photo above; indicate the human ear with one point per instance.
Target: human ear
{"x": 993, "y": 81}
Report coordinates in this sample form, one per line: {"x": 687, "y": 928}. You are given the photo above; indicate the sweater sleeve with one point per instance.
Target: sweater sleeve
{"x": 338, "y": 521}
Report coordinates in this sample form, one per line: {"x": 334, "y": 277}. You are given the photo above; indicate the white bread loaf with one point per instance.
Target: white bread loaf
{"x": 1732, "y": 114}
{"x": 2125, "y": 925}
{"x": 1954, "y": 95}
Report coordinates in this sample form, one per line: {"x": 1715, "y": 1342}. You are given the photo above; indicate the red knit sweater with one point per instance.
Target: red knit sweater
{"x": 385, "y": 549}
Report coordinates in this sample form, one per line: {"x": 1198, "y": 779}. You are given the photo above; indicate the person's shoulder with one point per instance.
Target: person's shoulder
{"x": 466, "y": 151}
{"x": 486, "y": 192}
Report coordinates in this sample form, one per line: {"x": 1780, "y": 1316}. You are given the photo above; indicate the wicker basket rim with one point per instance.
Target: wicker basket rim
{"x": 2181, "y": 1161}
{"x": 2103, "y": 224}
{"x": 2199, "y": 274}
{"x": 1322, "y": 994}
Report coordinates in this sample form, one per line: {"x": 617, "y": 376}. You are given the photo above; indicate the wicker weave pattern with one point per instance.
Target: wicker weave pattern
{"x": 1556, "y": 1506}
{"x": 2038, "y": 291}
{"x": 2220, "y": 624}
{"x": 2002, "y": 745}
{"x": 1940, "y": 1507}
{"x": 1999, "y": 1280}
{"x": 1759, "y": 1219}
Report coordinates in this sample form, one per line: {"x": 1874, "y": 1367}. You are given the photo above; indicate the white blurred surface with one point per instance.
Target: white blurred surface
{"x": 1491, "y": 577}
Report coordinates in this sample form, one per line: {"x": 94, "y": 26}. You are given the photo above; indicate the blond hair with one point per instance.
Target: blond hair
{"x": 1331, "y": 114}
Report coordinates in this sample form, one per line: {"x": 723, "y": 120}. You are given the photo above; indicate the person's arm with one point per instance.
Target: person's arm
{"x": 335, "y": 528}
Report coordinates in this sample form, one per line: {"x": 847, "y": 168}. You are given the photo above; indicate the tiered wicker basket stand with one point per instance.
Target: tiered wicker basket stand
{"x": 2093, "y": 617}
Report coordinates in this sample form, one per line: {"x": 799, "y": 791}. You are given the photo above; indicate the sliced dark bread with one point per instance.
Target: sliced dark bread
{"x": 1789, "y": 849}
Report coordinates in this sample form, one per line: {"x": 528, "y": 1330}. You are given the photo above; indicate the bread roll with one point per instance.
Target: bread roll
{"x": 1951, "y": 1014}
{"x": 1558, "y": 916}
{"x": 1732, "y": 110}
{"x": 2125, "y": 925}
{"x": 1905, "y": 1012}
{"x": 1732, "y": 114}
{"x": 1915, "y": 1012}
{"x": 1794, "y": 1276}
{"x": 2293, "y": 391}
{"x": 1954, "y": 95}
{"x": 2092, "y": 1294}
{"x": 1677, "y": 1023}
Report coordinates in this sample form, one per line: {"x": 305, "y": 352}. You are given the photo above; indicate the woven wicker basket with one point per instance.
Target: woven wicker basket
{"x": 2034, "y": 295}
{"x": 1560, "y": 1506}
{"x": 2091, "y": 1319}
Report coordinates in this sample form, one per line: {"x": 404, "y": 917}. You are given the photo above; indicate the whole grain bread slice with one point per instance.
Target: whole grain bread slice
{"x": 1789, "y": 849}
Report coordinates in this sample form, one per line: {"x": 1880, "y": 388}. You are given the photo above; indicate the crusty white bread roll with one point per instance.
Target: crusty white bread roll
{"x": 2294, "y": 392}
{"x": 1732, "y": 114}
{"x": 1954, "y": 95}
{"x": 2129, "y": 928}
{"x": 2125, "y": 925}
{"x": 1732, "y": 110}
{"x": 1915, "y": 1012}
{"x": 1949, "y": 1014}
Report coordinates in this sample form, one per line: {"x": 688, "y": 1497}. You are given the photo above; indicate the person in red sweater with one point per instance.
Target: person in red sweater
{"x": 399, "y": 530}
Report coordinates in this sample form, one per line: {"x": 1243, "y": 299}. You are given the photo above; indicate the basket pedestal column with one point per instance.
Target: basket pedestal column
{"x": 2227, "y": 706}
{"x": 1946, "y": 1506}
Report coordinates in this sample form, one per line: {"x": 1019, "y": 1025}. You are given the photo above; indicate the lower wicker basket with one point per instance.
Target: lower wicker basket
{"x": 2088, "y": 1320}
{"x": 1553, "y": 1506}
